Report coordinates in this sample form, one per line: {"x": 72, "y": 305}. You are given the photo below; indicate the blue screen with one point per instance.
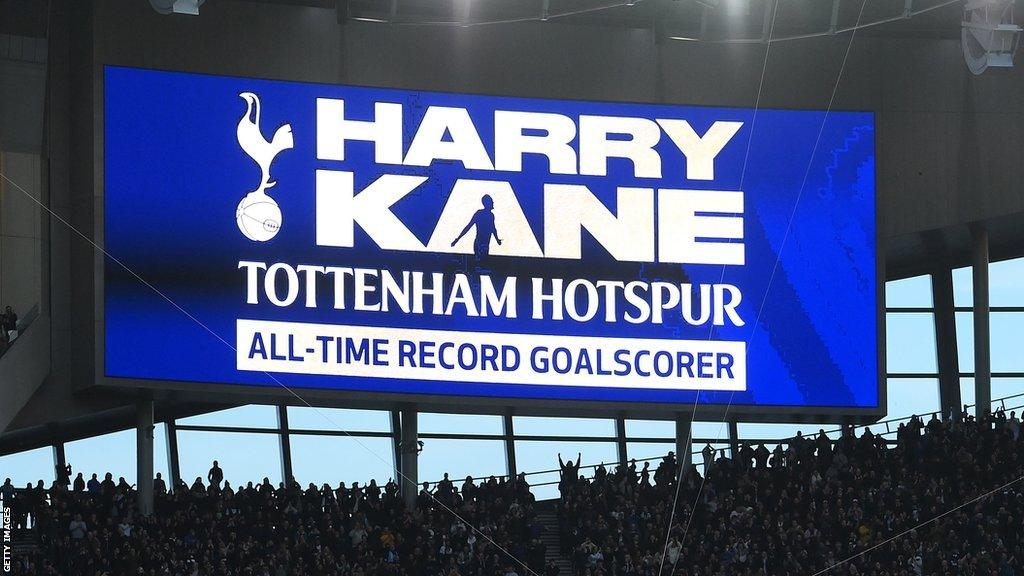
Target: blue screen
{"x": 394, "y": 241}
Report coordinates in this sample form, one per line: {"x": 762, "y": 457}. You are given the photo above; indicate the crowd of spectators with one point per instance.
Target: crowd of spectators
{"x": 923, "y": 504}
{"x": 91, "y": 528}
{"x": 806, "y": 508}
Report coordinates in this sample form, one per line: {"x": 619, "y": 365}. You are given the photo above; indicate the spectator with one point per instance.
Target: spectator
{"x": 817, "y": 503}
{"x": 215, "y": 476}
{"x": 77, "y": 529}
{"x": 94, "y": 484}
{"x": 9, "y": 322}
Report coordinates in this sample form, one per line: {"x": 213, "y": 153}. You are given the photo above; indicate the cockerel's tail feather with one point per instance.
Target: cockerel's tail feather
{"x": 283, "y": 139}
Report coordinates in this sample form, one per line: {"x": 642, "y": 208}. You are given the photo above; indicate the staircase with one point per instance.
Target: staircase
{"x": 547, "y": 518}
{"x": 24, "y": 542}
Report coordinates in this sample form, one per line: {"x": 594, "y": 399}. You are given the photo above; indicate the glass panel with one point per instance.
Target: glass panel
{"x": 909, "y": 293}
{"x": 459, "y": 423}
{"x": 114, "y": 453}
{"x": 761, "y": 431}
{"x": 535, "y": 455}
{"x": 965, "y": 341}
{"x": 1011, "y": 389}
{"x": 244, "y": 456}
{"x": 338, "y": 419}
{"x": 909, "y": 396}
{"x": 698, "y": 458}
{"x": 250, "y": 416}
{"x": 1005, "y": 329}
{"x": 711, "y": 431}
{"x": 963, "y": 287}
{"x": 1001, "y": 388}
{"x": 650, "y": 429}
{"x": 1006, "y": 283}
{"x": 649, "y": 450}
{"x": 334, "y": 459}
{"x": 544, "y": 426}
{"x": 28, "y": 467}
{"x": 160, "y": 453}
{"x": 967, "y": 395}
{"x": 461, "y": 458}
{"x": 910, "y": 343}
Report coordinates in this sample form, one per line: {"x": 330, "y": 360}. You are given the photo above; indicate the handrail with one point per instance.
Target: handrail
{"x": 888, "y": 430}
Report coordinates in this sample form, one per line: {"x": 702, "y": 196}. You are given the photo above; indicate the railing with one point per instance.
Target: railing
{"x": 891, "y": 427}
{"x": 23, "y": 323}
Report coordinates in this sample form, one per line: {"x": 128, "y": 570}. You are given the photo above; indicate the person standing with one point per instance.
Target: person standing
{"x": 9, "y": 322}
{"x": 215, "y": 476}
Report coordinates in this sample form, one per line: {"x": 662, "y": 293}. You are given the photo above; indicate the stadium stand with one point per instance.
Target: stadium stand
{"x": 263, "y": 530}
{"x": 795, "y": 511}
{"x": 811, "y": 506}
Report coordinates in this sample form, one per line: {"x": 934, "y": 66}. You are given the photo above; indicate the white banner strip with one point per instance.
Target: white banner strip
{"x": 488, "y": 357}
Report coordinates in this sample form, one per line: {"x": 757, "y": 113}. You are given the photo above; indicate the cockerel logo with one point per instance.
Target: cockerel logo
{"x": 258, "y": 216}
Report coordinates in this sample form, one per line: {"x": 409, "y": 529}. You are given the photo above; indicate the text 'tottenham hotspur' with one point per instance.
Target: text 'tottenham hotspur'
{"x": 414, "y": 292}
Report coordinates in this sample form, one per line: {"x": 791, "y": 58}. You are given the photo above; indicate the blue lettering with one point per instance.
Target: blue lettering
{"x": 725, "y": 361}
{"x": 406, "y": 352}
{"x": 273, "y": 349}
{"x": 379, "y": 352}
{"x": 258, "y": 347}
{"x": 626, "y": 368}
{"x": 704, "y": 365}
{"x": 540, "y": 365}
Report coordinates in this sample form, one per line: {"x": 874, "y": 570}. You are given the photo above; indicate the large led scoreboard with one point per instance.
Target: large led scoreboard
{"x": 408, "y": 245}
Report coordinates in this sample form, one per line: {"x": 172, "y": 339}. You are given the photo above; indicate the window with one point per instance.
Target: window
{"x": 25, "y": 467}
{"x": 967, "y": 395}
{"x": 650, "y": 429}
{"x": 333, "y": 459}
{"x": 544, "y": 426}
{"x": 1005, "y": 329}
{"x": 698, "y": 459}
{"x": 963, "y": 286}
{"x": 1006, "y": 283}
{"x": 338, "y": 419}
{"x": 460, "y": 424}
{"x": 909, "y": 396}
{"x": 461, "y": 458}
{"x": 649, "y": 451}
{"x": 538, "y": 455}
{"x": 251, "y": 416}
{"x": 913, "y": 292}
{"x": 244, "y": 456}
{"x": 710, "y": 431}
{"x": 114, "y": 453}
{"x": 1012, "y": 389}
{"x": 761, "y": 431}
{"x": 910, "y": 343}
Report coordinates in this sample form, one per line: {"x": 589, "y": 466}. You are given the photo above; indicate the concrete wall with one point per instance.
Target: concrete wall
{"x": 20, "y": 231}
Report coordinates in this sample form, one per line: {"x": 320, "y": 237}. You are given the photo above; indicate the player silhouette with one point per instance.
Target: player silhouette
{"x": 483, "y": 219}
